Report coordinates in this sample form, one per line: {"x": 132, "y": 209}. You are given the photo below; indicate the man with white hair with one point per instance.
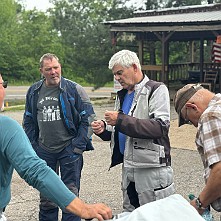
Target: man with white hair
{"x": 138, "y": 129}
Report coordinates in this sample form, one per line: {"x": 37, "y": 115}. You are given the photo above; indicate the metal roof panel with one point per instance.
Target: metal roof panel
{"x": 208, "y": 16}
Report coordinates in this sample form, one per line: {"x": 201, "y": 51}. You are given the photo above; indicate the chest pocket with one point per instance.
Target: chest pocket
{"x": 148, "y": 153}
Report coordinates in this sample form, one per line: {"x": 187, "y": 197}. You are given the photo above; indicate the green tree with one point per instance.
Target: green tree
{"x": 154, "y": 4}
{"x": 8, "y": 26}
{"x": 36, "y": 36}
{"x": 86, "y": 39}
{"x": 178, "y": 3}
{"x": 24, "y": 37}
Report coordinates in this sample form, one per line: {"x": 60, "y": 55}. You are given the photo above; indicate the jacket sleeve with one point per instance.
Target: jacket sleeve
{"x": 153, "y": 128}
{"x": 19, "y": 153}
{"x": 106, "y": 134}
{"x": 87, "y": 115}
{"x": 28, "y": 122}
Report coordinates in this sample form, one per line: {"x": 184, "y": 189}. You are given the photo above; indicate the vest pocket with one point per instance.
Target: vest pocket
{"x": 164, "y": 192}
{"x": 147, "y": 153}
{"x": 153, "y": 195}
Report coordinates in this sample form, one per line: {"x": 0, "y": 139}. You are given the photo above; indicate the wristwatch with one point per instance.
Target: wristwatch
{"x": 199, "y": 204}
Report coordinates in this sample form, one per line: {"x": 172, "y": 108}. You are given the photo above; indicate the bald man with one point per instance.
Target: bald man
{"x": 202, "y": 108}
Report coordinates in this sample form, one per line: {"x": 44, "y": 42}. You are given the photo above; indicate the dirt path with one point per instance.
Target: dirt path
{"x": 99, "y": 184}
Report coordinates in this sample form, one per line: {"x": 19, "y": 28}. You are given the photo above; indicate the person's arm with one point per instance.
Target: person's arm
{"x": 19, "y": 152}
{"x": 28, "y": 122}
{"x": 87, "y": 211}
{"x": 87, "y": 115}
{"x": 209, "y": 141}
{"x": 153, "y": 128}
{"x": 212, "y": 190}
{"x": 99, "y": 128}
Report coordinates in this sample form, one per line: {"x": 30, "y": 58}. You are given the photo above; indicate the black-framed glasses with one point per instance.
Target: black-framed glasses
{"x": 4, "y": 84}
{"x": 185, "y": 117}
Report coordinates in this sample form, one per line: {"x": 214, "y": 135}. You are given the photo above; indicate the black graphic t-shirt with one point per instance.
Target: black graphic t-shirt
{"x": 53, "y": 135}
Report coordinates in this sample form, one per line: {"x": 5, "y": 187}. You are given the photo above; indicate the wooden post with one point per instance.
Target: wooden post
{"x": 192, "y": 51}
{"x": 140, "y": 51}
{"x": 201, "y": 58}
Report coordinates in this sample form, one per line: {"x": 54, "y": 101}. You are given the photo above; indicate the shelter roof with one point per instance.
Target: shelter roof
{"x": 182, "y": 9}
{"x": 181, "y": 19}
{"x": 173, "y": 18}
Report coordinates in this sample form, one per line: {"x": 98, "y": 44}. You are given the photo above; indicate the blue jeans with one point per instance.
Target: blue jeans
{"x": 69, "y": 165}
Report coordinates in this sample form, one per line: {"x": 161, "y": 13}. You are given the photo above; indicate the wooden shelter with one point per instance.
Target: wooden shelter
{"x": 189, "y": 23}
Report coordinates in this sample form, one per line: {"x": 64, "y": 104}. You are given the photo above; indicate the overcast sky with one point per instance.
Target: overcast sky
{"x": 44, "y": 4}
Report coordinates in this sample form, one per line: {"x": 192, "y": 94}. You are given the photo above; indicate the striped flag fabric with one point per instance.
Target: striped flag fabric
{"x": 216, "y": 52}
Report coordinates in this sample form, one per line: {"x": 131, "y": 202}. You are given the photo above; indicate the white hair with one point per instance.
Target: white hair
{"x": 124, "y": 58}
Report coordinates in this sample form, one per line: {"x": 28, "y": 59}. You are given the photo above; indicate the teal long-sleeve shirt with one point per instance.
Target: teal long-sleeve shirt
{"x": 17, "y": 153}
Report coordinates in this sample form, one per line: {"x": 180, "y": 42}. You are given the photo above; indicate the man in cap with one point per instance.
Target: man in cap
{"x": 199, "y": 106}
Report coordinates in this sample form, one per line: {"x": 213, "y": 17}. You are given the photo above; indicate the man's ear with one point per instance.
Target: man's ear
{"x": 135, "y": 67}
{"x": 191, "y": 105}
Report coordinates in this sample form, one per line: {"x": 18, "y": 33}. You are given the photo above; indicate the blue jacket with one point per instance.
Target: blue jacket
{"x": 76, "y": 111}
{"x": 17, "y": 152}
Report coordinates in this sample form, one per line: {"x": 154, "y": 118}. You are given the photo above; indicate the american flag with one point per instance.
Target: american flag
{"x": 216, "y": 52}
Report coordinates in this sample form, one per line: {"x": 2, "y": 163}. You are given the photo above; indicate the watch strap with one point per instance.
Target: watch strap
{"x": 199, "y": 204}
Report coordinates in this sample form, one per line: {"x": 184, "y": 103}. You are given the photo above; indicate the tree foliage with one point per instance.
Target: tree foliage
{"x": 74, "y": 31}
{"x": 7, "y": 38}
{"x": 87, "y": 40}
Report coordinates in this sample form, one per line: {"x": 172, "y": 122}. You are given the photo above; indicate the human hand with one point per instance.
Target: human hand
{"x": 89, "y": 211}
{"x": 111, "y": 117}
{"x": 98, "y": 126}
{"x": 100, "y": 211}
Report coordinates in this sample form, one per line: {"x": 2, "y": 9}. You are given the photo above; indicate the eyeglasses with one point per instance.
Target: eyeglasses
{"x": 4, "y": 84}
{"x": 185, "y": 117}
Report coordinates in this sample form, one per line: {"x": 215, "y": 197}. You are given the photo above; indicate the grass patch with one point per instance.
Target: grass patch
{"x": 15, "y": 108}
{"x": 14, "y": 105}
{"x": 14, "y": 102}
{"x": 17, "y": 105}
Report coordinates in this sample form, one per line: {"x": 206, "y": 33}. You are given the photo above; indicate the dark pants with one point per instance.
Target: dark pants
{"x": 70, "y": 165}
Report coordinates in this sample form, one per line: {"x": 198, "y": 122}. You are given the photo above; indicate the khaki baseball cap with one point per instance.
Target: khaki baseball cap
{"x": 181, "y": 97}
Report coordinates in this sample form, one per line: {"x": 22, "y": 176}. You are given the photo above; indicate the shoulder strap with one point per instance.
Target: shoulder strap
{"x": 153, "y": 86}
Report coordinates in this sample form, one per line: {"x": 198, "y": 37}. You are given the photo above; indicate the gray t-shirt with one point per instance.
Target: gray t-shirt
{"x": 53, "y": 135}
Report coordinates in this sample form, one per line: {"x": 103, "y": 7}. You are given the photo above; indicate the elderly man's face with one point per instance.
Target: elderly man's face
{"x": 125, "y": 76}
{"x": 2, "y": 92}
{"x": 191, "y": 113}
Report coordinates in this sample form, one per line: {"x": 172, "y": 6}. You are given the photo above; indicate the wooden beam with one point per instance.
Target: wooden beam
{"x": 195, "y": 27}
{"x": 153, "y": 67}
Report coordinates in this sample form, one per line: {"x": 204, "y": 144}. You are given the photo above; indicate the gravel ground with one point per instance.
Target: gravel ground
{"x": 99, "y": 184}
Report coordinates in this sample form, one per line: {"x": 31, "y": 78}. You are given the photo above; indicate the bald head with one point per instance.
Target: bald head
{"x": 194, "y": 94}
